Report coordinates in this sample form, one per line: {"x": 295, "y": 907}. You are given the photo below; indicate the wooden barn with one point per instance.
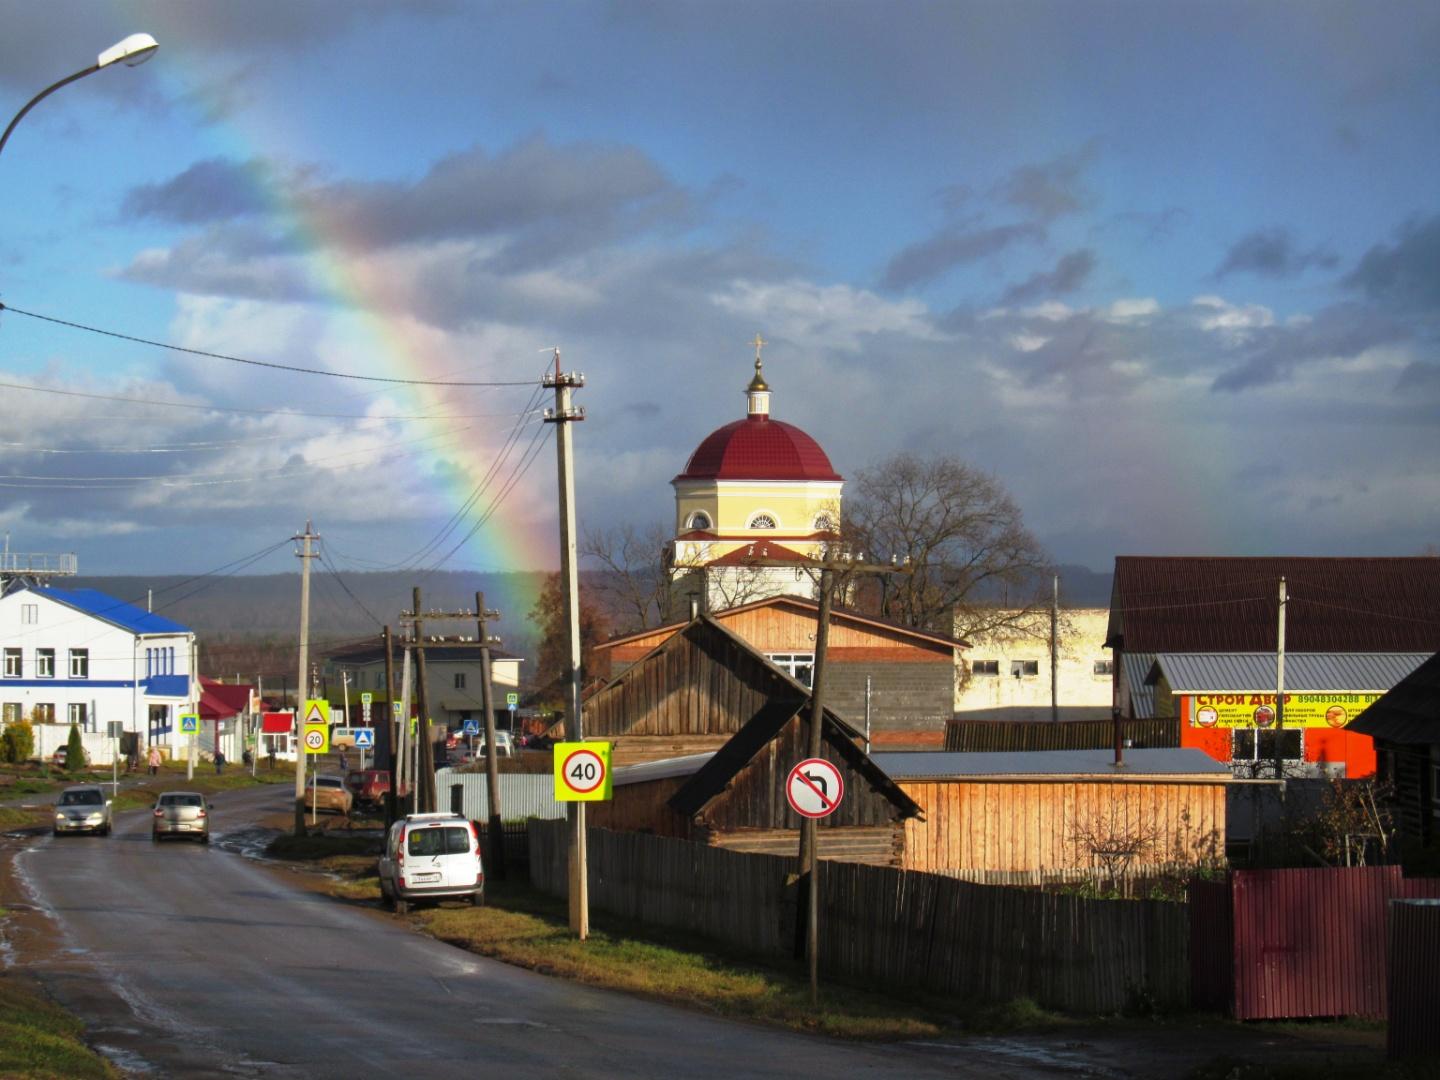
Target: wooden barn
{"x": 705, "y": 729}
{"x": 1038, "y": 813}
{"x": 907, "y": 676}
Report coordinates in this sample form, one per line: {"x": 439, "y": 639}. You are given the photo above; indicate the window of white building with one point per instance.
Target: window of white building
{"x": 44, "y": 663}
{"x": 43, "y": 713}
{"x": 11, "y": 712}
{"x": 79, "y": 663}
{"x": 799, "y": 666}
{"x": 984, "y": 667}
{"x": 1104, "y": 667}
{"x": 80, "y": 716}
{"x": 29, "y": 614}
{"x": 1024, "y": 669}
{"x": 459, "y": 680}
{"x": 13, "y": 664}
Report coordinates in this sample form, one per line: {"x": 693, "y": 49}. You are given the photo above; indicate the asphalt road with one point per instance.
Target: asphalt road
{"x": 192, "y": 961}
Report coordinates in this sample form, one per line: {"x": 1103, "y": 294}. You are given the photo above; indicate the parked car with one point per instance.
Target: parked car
{"x": 329, "y": 793}
{"x": 430, "y": 857}
{"x": 57, "y": 759}
{"x": 181, "y": 813}
{"x": 369, "y": 786}
{"x": 83, "y": 809}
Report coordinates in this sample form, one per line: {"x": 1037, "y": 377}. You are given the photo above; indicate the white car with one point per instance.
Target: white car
{"x": 430, "y": 857}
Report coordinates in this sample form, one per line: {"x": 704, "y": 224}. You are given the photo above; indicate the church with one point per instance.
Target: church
{"x": 757, "y": 500}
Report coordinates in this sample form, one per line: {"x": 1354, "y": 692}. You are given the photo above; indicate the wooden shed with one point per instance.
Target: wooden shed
{"x": 705, "y": 730}
{"x": 1055, "y": 812}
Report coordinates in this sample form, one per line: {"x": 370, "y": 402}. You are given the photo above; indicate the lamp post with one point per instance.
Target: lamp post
{"x": 133, "y": 50}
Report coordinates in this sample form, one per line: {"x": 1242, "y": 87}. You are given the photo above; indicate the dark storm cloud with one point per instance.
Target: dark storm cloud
{"x": 1071, "y": 272}
{"x": 1406, "y": 273}
{"x": 216, "y": 189}
{"x": 1340, "y": 332}
{"x": 1273, "y": 253}
{"x": 924, "y": 262}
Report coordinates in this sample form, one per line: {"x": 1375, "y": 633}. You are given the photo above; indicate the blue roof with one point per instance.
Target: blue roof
{"x": 124, "y": 615}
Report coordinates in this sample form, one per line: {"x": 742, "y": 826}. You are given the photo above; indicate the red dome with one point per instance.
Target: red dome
{"x": 758, "y": 448}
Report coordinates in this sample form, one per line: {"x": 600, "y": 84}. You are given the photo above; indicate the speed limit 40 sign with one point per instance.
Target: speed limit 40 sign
{"x": 582, "y": 771}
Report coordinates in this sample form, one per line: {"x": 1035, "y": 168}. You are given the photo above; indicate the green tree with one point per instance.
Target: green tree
{"x": 550, "y": 675}
{"x": 74, "y": 751}
{"x": 18, "y": 742}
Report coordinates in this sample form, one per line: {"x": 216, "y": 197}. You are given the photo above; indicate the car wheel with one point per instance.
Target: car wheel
{"x": 154, "y": 837}
{"x": 205, "y": 838}
{"x": 477, "y": 899}
{"x": 55, "y": 832}
{"x": 402, "y": 907}
{"x": 105, "y": 831}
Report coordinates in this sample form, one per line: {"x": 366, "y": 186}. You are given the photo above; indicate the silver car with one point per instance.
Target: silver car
{"x": 83, "y": 809}
{"x": 182, "y": 813}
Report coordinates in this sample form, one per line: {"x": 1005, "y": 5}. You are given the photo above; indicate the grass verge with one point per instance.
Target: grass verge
{"x": 39, "y": 1040}
{"x": 206, "y": 782}
{"x": 524, "y": 927}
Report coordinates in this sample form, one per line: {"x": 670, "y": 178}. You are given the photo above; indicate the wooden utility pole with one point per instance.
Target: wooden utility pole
{"x": 562, "y": 416}
{"x": 1055, "y": 650}
{"x": 496, "y": 865}
{"x": 424, "y": 779}
{"x": 1279, "y": 688}
{"x": 392, "y": 742}
{"x": 305, "y": 554}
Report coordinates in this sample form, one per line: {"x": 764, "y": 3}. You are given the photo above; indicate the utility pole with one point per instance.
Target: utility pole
{"x": 562, "y": 416}
{"x": 1055, "y": 649}
{"x": 393, "y": 729}
{"x": 305, "y": 554}
{"x": 424, "y": 748}
{"x": 1279, "y": 688}
{"x": 495, "y": 828}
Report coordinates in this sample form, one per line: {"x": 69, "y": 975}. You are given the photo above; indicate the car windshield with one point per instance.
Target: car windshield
{"x": 328, "y": 781}
{"x": 447, "y": 840}
{"x": 82, "y": 798}
{"x": 182, "y": 800}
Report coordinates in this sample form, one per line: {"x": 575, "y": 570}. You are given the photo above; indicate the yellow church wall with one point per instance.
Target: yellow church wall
{"x": 733, "y": 504}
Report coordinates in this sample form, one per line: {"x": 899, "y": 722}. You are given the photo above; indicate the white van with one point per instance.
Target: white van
{"x": 431, "y": 857}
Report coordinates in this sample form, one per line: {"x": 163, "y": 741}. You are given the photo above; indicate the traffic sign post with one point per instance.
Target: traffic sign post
{"x": 582, "y": 772}
{"x": 190, "y": 725}
{"x": 317, "y": 739}
{"x": 814, "y": 788}
{"x": 364, "y": 738}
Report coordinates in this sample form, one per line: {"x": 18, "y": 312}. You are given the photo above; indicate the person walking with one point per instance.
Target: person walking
{"x": 219, "y": 762}
{"x": 153, "y": 759}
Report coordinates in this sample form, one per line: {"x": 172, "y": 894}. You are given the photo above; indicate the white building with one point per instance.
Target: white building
{"x": 77, "y": 656}
{"x": 453, "y": 675}
{"x": 1005, "y": 674}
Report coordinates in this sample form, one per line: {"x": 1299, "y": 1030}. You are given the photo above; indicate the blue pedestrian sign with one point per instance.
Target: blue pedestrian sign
{"x": 189, "y": 724}
{"x": 472, "y": 727}
{"x": 364, "y": 737}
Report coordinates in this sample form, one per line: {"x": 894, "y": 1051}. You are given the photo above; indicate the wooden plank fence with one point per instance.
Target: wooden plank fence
{"x": 894, "y": 927}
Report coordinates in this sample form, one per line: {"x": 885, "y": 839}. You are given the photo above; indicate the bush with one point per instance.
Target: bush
{"x": 17, "y": 743}
{"x": 74, "y": 751}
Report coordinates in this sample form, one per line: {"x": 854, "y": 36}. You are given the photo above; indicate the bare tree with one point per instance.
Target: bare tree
{"x": 632, "y": 578}
{"x": 973, "y": 566}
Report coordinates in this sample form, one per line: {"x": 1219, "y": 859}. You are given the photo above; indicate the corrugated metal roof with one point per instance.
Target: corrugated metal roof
{"x": 124, "y": 615}
{"x": 1136, "y": 667}
{"x": 664, "y": 769}
{"x": 1409, "y": 712}
{"x": 928, "y": 765}
{"x": 1305, "y": 673}
{"x": 1202, "y": 604}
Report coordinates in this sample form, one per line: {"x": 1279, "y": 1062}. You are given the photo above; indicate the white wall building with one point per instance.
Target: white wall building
{"x": 1006, "y": 673}
{"x": 79, "y": 656}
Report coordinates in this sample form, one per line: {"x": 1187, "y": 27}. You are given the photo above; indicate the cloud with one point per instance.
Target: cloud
{"x": 1273, "y": 253}
{"x": 1053, "y": 188}
{"x": 216, "y": 189}
{"x": 1070, "y": 273}
{"x": 925, "y": 261}
{"x": 1273, "y": 354}
{"x": 1405, "y": 273}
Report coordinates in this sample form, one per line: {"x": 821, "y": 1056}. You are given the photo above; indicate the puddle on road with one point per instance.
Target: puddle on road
{"x": 128, "y": 1061}
{"x": 1078, "y": 1058}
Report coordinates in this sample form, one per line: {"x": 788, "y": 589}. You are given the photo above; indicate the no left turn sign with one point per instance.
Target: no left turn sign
{"x": 814, "y": 788}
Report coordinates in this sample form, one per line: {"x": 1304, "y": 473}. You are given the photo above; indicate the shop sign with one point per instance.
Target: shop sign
{"x": 1323, "y": 711}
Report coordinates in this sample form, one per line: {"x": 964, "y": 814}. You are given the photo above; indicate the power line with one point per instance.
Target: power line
{"x": 259, "y": 363}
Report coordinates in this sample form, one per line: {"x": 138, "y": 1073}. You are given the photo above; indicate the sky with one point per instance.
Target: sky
{"x": 1170, "y": 272}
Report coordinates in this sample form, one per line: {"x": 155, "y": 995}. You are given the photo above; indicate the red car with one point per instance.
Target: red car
{"x": 369, "y": 786}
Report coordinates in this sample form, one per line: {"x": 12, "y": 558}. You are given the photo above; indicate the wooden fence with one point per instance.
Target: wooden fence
{"x": 896, "y": 927}
{"x": 1008, "y": 736}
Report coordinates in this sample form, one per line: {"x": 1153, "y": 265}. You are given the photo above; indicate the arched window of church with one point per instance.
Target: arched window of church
{"x": 762, "y": 521}
{"x": 700, "y": 520}
{"x": 824, "y": 523}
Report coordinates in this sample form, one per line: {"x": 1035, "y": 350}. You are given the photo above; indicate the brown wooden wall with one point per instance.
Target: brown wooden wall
{"x": 700, "y": 684}
{"x": 1032, "y": 824}
{"x": 877, "y": 845}
{"x": 755, "y": 798}
{"x": 641, "y": 808}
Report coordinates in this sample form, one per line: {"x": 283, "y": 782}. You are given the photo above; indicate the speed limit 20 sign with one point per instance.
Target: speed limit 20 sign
{"x": 582, "y": 771}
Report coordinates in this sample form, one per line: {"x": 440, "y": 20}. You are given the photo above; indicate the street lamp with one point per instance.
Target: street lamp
{"x": 133, "y": 50}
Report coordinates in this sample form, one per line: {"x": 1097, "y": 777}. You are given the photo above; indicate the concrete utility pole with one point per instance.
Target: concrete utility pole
{"x": 305, "y": 554}
{"x": 1279, "y": 689}
{"x": 496, "y": 866}
{"x": 562, "y": 415}
{"x": 424, "y": 748}
{"x": 1055, "y": 650}
{"x": 394, "y": 732}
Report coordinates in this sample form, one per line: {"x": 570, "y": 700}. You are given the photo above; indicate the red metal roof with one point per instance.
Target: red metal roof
{"x": 1229, "y": 604}
{"x": 220, "y": 701}
{"x": 758, "y": 448}
{"x": 760, "y": 549}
